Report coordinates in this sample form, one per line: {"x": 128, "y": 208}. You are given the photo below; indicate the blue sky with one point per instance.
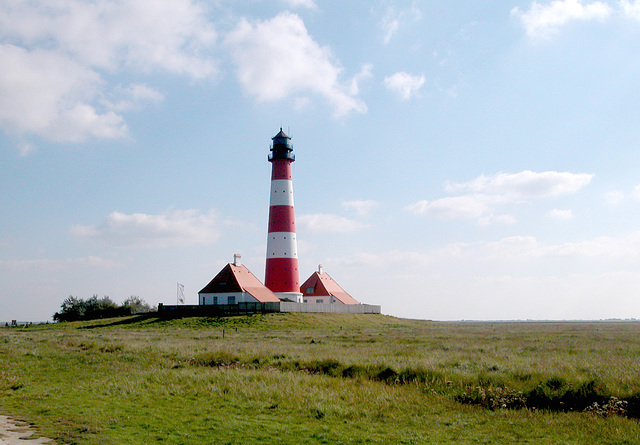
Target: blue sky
{"x": 454, "y": 160}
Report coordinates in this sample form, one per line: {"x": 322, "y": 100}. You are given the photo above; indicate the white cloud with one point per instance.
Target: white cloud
{"x": 486, "y": 193}
{"x": 526, "y": 184}
{"x": 133, "y": 96}
{"x": 560, "y": 215}
{"x": 360, "y": 207}
{"x": 394, "y": 258}
{"x": 57, "y": 265}
{"x": 365, "y": 73}
{"x": 542, "y": 21}
{"x": 300, "y": 4}
{"x": 25, "y": 148}
{"x": 454, "y": 207}
{"x": 46, "y": 93}
{"x": 277, "y": 59}
{"x": 389, "y": 26}
{"x": 508, "y": 249}
{"x": 614, "y": 198}
{"x": 631, "y": 9}
{"x": 175, "y": 229}
{"x": 56, "y": 54}
{"x": 323, "y": 222}
{"x": 393, "y": 19}
{"x": 529, "y": 247}
{"x": 499, "y": 219}
{"x": 526, "y": 247}
{"x": 404, "y": 84}
{"x": 147, "y": 34}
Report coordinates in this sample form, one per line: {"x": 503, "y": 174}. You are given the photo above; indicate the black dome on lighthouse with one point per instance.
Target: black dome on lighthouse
{"x": 281, "y": 135}
{"x": 281, "y": 148}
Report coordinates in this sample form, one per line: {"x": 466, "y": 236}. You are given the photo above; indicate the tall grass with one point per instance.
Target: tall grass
{"x": 323, "y": 378}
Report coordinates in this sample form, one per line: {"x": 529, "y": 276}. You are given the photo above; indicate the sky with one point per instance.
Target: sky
{"x": 454, "y": 160}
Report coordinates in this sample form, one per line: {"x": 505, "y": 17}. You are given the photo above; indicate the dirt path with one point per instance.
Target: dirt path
{"x": 13, "y": 432}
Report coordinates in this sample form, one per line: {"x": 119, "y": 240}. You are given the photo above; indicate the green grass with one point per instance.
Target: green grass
{"x": 323, "y": 378}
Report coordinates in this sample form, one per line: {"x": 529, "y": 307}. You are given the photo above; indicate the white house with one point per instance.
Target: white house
{"x": 235, "y": 284}
{"x": 320, "y": 288}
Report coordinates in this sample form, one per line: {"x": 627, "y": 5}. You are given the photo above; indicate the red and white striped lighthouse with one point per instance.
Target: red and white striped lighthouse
{"x": 281, "y": 276}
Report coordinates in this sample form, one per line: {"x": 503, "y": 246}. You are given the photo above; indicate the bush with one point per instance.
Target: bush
{"x": 327, "y": 366}
{"x": 215, "y": 359}
{"x": 136, "y": 305}
{"x": 74, "y": 308}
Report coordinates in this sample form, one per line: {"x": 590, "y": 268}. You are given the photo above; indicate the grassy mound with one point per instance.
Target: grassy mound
{"x": 323, "y": 378}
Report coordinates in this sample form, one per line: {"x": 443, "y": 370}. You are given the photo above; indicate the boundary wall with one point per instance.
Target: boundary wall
{"x": 328, "y": 307}
{"x": 253, "y": 308}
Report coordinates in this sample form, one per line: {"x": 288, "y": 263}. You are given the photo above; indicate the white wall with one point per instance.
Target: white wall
{"x": 223, "y": 298}
{"x": 325, "y": 299}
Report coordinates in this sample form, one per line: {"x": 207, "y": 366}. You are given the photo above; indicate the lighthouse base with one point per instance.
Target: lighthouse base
{"x": 295, "y": 297}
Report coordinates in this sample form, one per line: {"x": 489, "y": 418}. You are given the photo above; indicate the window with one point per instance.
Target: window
{"x": 231, "y": 300}
{"x": 310, "y": 290}
{"x": 215, "y": 300}
{"x": 320, "y": 301}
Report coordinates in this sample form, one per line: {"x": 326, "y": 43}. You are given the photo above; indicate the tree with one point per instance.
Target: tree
{"x": 103, "y": 307}
{"x": 136, "y": 305}
{"x": 74, "y": 308}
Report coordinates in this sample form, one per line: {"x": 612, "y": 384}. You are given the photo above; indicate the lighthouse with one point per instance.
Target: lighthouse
{"x": 281, "y": 275}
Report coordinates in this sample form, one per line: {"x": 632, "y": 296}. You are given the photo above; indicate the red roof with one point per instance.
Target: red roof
{"x": 323, "y": 285}
{"x": 239, "y": 279}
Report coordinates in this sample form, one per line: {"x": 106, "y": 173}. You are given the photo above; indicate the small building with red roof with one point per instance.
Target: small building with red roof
{"x": 320, "y": 288}
{"x": 235, "y": 284}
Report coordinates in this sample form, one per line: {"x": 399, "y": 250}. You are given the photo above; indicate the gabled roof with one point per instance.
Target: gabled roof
{"x": 239, "y": 279}
{"x": 324, "y": 285}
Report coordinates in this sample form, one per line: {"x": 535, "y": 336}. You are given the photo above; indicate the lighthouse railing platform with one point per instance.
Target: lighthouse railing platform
{"x": 281, "y": 155}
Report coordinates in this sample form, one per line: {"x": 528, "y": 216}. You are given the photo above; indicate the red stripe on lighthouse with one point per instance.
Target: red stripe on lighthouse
{"x": 282, "y": 275}
{"x": 281, "y": 169}
{"x": 281, "y": 219}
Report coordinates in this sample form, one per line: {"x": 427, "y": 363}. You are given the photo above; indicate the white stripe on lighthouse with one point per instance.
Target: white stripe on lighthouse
{"x": 282, "y": 245}
{"x": 281, "y": 192}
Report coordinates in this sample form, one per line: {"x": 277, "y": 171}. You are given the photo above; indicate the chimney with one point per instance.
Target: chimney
{"x": 237, "y": 259}
{"x": 320, "y": 269}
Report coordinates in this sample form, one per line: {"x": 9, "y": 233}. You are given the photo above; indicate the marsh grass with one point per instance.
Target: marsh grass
{"x": 323, "y": 378}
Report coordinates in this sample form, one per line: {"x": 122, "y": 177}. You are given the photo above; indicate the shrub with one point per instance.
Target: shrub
{"x": 386, "y": 374}
{"x": 493, "y": 398}
{"x": 215, "y": 359}
{"x": 327, "y": 366}
{"x": 74, "y": 308}
{"x": 136, "y": 305}
{"x": 353, "y": 371}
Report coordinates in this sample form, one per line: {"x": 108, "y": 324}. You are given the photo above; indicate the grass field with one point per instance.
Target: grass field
{"x": 323, "y": 378}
